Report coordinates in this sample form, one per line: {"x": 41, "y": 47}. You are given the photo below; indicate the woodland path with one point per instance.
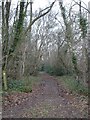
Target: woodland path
{"x": 48, "y": 100}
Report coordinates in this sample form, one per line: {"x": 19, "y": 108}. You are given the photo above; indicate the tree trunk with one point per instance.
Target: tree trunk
{"x": 19, "y": 28}
{"x": 69, "y": 37}
{"x": 5, "y": 39}
{"x": 89, "y": 44}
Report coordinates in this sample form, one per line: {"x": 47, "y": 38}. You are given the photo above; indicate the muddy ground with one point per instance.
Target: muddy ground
{"x": 48, "y": 100}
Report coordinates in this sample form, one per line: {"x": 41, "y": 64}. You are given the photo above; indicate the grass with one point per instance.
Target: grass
{"x": 24, "y": 85}
{"x": 72, "y": 84}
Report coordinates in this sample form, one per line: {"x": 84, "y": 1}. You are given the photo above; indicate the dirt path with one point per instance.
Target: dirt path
{"x": 48, "y": 100}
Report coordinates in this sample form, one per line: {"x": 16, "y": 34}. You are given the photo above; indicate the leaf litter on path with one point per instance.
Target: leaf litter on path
{"x": 48, "y": 99}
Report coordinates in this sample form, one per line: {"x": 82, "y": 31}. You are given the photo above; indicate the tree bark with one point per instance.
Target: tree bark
{"x": 89, "y": 44}
{"x": 5, "y": 39}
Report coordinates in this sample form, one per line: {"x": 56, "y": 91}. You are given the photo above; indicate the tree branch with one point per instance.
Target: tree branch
{"x": 40, "y": 16}
{"x": 82, "y": 6}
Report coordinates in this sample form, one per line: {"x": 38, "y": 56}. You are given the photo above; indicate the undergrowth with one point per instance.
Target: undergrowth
{"x": 73, "y": 85}
{"x": 23, "y": 85}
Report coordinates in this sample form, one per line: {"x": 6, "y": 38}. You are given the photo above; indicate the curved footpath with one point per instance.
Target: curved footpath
{"x": 48, "y": 100}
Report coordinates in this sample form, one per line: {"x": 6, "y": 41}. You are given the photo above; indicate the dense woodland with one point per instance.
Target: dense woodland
{"x": 45, "y": 40}
{"x": 45, "y": 59}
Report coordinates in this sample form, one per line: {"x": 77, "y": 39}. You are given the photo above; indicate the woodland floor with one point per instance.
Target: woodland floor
{"x": 49, "y": 99}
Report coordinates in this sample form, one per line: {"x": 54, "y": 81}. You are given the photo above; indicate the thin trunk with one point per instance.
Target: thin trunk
{"x": 83, "y": 28}
{"x": 84, "y": 60}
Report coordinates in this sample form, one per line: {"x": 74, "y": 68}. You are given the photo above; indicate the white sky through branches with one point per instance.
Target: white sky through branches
{"x": 43, "y": 3}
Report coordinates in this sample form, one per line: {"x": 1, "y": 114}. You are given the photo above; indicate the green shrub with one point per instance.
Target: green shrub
{"x": 58, "y": 71}
{"x": 15, "y": 84}
{"x": 26, "y": 89}
{"x": 24, "y": 85}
